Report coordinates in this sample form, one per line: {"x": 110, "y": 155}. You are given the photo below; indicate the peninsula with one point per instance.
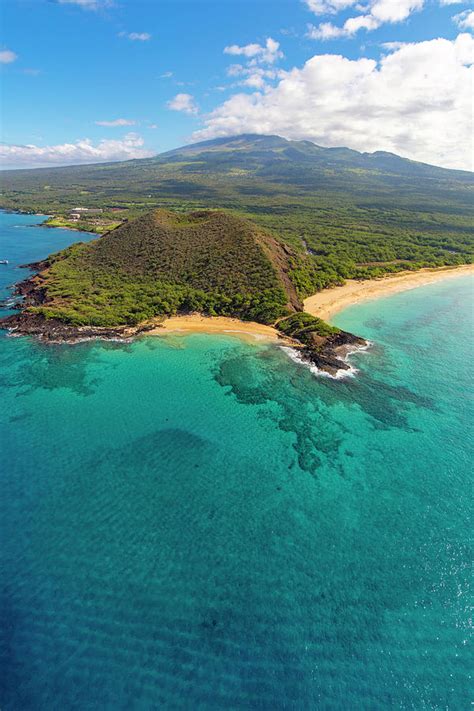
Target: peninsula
{"x": 207, "y": 262}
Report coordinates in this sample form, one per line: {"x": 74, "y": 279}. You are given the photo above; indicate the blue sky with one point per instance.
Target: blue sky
{"x": 94, "y": 80}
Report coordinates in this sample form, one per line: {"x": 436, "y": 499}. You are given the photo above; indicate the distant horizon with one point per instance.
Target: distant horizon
{"x": 223, "y": 139}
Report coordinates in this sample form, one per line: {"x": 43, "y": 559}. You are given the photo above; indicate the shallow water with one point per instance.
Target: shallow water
{"x": 196, "y": 522}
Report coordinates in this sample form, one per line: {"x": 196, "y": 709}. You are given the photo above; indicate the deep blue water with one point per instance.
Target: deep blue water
{"x": 199, "y": 523}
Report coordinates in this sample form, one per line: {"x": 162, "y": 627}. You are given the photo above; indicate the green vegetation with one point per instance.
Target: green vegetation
{"x": 100, "y": 227}
{"x": 164, "y": 263}
{"x": 307, "y": 329}
{"x": 343, "y": 214}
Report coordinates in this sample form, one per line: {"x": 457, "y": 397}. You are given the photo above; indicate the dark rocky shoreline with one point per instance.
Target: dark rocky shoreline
{"x": 331, "y": 356}
{"x": 33, "y": 293}
{"x": 328, "y": 354}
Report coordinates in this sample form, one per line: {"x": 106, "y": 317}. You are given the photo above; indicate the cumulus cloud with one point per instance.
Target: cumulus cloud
{"x": 116, "y": 122}
{"x": 7, "y": 56}
{"x": 394, "y": 10}
{"x": 362, "y": 22}
{"x": 465, "y": 20}
{"x": 416, "y": 102}
{"x": 184, "y": 103}
{"x": 265, "y": 54}
{"x": 81, "y": 151}
{"x": 377, "y": 12}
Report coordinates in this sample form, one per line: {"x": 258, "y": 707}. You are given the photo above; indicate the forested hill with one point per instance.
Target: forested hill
{"x": 353, "y": 214}
{"x": 165, "y": 263}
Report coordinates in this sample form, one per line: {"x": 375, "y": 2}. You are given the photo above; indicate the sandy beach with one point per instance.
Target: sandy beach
{"x": 324, "y": 304}
{"x": 328, "y": 302}
{"x": 195, "y": 323}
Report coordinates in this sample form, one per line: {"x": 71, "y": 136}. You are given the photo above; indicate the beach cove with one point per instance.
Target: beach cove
{"x": 325, "y": 304}
{"x": 197, "y": 517}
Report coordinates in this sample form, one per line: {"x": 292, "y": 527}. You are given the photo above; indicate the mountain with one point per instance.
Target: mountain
{"x": 261, "y": 153}
{"x": 353, "y": 214}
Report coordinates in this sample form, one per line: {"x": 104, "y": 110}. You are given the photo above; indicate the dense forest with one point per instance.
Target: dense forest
{"x": 343, "y": 214}
{"x": 165, "y": 263}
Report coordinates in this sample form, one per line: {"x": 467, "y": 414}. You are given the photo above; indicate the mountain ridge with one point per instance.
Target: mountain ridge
{"x": 266, "y": 140}
{"x": 342, "y": 152}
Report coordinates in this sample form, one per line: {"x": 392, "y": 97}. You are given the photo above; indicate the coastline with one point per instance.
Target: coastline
{"x": 330, "y": 357}
{"x": 328, "y": 302}
{"x": 45, "y": 224}
{"x": 325, "y": 349}
{"x": 196, "y": 323}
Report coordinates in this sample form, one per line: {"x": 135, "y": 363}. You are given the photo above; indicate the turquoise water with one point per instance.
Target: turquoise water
{"x": 195, "y": 522}
{"x": 22, "y": 241}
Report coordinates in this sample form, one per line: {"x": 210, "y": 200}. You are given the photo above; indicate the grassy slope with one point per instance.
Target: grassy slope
{"x": 357, "y": 215}
{"x": 82, "y": 225}
{"x": 163, "y": 263}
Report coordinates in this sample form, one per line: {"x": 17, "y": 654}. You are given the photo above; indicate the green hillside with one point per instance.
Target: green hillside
{"x": 164, "y": 263}
{"x": 352, "y": 214}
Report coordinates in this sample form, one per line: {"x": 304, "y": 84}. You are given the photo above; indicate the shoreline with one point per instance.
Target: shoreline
{"x": 327, "y": 303}
{"x": 196, "y": 323}
{"x": 44, "y": 222}
{"x": 328, "y": 358}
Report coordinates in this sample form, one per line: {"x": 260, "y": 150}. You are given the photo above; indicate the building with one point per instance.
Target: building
{"x": 80, "y": 213}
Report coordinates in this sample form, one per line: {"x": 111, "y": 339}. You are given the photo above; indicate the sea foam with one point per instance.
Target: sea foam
{"x": 341, "y": 374}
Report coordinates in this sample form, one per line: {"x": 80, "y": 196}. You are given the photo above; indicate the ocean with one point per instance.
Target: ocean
{"x": 196, "y": 522}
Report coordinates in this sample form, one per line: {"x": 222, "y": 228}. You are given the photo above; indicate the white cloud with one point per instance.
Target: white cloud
{"x": 81, "y": 151}
{"x": 183, "y": 102}
{"x": 166, "y": 75}
{"x": 325, "y": 31}
{"x": 139, "y": 36}
{"x": 235, "y": 70}
{"x": 393, "y": 45}
{"x": 451, "y": 2}
{"x": 416, "y": 102}
{"x": 377, "y": 12}
{"x": 329, "y": 7}
{"x": 87, "y": 4}
{"x": 362, "y": 22}
{"x": 251, "y": 75}
{"x": 394, "y": 10}
{"x": 249, "y": 50}
{"x": 265, "y": 54}
{"x": 258, "y": 69}
{"x": 465, "y": 20}
{"x": 116, "y": 122}
{"x": 7, "y": 56}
